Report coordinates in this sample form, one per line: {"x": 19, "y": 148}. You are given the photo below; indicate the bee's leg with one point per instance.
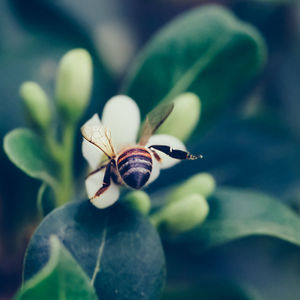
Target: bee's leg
{"x": 106, "y": 181}
{"x": 157, "y": 157}
{"x": 101, "y": 167}
{"x": 173, "y": 153}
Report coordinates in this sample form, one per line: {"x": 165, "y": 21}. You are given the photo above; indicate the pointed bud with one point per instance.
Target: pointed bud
{"x": 184, "y": 118}
{"x": 139, "y": 200}
{"x": 37, "y": 104}
{"x": 182, "y": 215}
{"x": 73, "y": 83}
{"x": 202, "y": 184}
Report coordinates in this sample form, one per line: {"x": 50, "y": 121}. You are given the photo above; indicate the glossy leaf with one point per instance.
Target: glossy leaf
{"x": 61, "y": 278}
{"x": 26, "y": 150}
{"x": 207, "y": 51}
{"x": 117, "y": 247}
{"x": 235, "y": 214}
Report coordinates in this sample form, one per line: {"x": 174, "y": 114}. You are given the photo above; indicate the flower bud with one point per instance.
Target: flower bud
{"x": 202, "y": 184}
{"x": 184, "y": 117}
{"x": 73, "y": 83}
{"x": 37, "y": 104}
{"x": 139, "y": 200}
{"x": 182, "y": 215}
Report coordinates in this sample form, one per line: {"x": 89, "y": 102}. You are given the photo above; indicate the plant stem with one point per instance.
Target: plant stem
{"x": 66, "y": 192}
{"x": 54, "y": 147}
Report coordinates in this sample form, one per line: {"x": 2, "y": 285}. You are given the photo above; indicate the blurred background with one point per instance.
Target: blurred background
{"x": 259, "y": 136}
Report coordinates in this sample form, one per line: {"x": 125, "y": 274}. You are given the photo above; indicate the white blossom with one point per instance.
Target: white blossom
{"x": 121, "y": 117}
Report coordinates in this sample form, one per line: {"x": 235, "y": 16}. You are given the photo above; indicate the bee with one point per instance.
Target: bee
{"x": 132, "y": 166}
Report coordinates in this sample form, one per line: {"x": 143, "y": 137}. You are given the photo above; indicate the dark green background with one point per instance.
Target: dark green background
{"x": 253, "y": 144}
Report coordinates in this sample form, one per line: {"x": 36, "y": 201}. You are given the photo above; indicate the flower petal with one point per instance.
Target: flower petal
{"x": 155, "y": 170}
{"x": 93, "y": 183}
{"x": 91, "y": 153}
{"x": 167, "y": 140}
{"x": 121, "y": 116}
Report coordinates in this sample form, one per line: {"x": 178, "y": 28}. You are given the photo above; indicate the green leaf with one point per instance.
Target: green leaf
{"x": 61, "y": 278}
{"x": 26, "y": 150}
{"x": 235, "y": 214}
{"x": 45, "y": 199}
{"x": 117, "y": 247}
{"x": 207, "y": 51}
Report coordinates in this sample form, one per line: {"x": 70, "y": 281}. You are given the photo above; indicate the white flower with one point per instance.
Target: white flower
{"x": 121, "y": 117}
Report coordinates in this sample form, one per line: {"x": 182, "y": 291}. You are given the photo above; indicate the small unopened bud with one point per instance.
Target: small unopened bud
{"x": 182, "y": 215}
{"x": 37, "y": 104}
{"x": 139, "y": 200}
{"x": 74, "y": 83}
{"x": 184, "y": 117}
{"x": 202, "y": 184}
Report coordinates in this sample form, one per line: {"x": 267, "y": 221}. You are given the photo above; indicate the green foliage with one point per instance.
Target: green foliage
{"x": 27, "y": 151}
{"x": 61, "y": 278}
{"x": 236, "y": 214}
{"x": 139, "y": 201}
{"x": 186, "y": 206}
{"x": 201, "y": 183}
{"x": 207, "y": 51}
{"x": 74, "y": 83}
{"x": 117, "y": 248}
{"x": 46, "y": 199}
{"x": 181, "y": 215}
{"x": 116, "y": 253}
{"x": 177, "y": 124}
{"x": 37, "y": 104}
{"x": 48, "y": 156}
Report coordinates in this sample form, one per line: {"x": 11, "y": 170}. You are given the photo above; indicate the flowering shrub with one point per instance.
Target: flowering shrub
{"x": 109, "y": 249}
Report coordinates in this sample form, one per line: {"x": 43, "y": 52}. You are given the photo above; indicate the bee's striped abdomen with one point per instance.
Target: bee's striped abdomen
{"x": 135, "y": 166}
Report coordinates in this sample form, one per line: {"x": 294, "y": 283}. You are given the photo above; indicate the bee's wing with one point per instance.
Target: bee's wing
{"x": 153, "y": 120}
{"x": 98, "y": 136}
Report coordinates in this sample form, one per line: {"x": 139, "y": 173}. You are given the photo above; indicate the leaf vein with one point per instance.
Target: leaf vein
{"x": 100, "y": 252}
{"x": 189, "y": 76}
